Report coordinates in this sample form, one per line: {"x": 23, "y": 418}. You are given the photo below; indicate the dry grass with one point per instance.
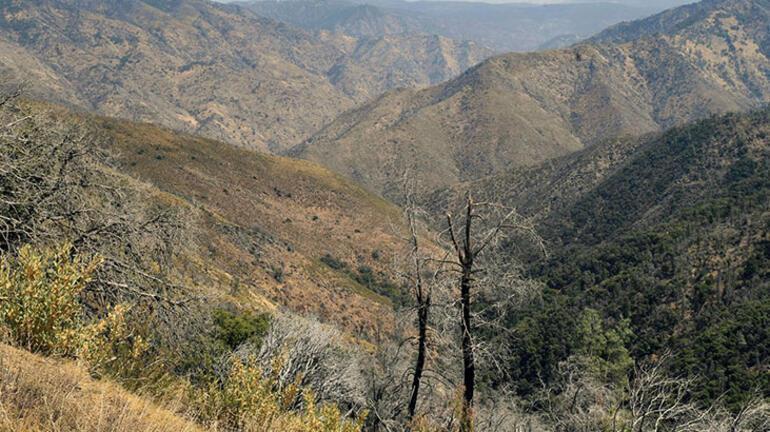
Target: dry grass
{"x": 39, "y": 394}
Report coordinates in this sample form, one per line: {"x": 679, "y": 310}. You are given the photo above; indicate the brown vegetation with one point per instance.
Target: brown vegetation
{"x": 215, "y": 70}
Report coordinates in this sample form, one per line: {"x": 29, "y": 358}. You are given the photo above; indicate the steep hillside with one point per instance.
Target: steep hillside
{"x": 207, "y": 68}
{"x": 190, "y": 65}
{"x": 256, "y": 230}
{"x": 546, "y": 188}
{"x": 520, "y": 109}
{"x": 680, "y": 19}
{"x": 502, "y": 27}
{"x": 375, "y": 65}
{"x": 270, "y": 221}
{"x": 668, "y": 235}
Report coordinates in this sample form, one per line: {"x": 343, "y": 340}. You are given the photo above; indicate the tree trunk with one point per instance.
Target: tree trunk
{"x": 422, "y": 323}
{"x": 469, "y": 366}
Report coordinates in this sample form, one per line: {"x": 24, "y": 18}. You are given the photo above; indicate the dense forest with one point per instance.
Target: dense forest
{"x": 670, "y": 254}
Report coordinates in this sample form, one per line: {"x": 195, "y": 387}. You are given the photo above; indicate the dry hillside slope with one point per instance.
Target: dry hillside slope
{"x": 212, "y": 69}
{"x": 268, "y": 221}
{"x": 521, "y": 109}
{"x": 257, "y": 230}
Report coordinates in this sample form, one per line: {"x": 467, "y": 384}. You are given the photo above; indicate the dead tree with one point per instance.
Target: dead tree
{"x": 423, "y": 297}
{"x": 421, "y": 272}
{"x": 657, "y": 399}
{"x": 424, "y": 275}
{"x": 58, "y": 184}
{"x": 482, "y": 227}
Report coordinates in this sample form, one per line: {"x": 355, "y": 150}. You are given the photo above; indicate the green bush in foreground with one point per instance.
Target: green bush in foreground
{"x": 248, "y": 400}
{"x": 40, "y": 311}
{"x": 39, "y": 291}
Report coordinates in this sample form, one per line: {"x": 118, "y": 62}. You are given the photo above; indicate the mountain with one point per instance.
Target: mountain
{"x": 502, "y": 27}
{"x": 521, "y": 109}
{"x": 666, "y": 232}
{"x": 208, "y": 68}
{"x": 375, "y": 65}
{"x": 338, "y": 16}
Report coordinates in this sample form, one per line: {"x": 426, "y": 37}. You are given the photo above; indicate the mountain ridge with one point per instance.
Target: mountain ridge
{"x": 520, "y": 109}
{"x": 502, "y": 27}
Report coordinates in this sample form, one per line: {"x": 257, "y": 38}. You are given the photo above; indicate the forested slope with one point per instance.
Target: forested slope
{"x": 672, "y": 248}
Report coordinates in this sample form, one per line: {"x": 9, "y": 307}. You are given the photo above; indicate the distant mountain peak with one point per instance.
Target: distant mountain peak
{"x": 515, "y": 110}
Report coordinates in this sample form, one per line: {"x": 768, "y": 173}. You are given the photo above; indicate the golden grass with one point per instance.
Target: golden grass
{"x": 47, "y": 395}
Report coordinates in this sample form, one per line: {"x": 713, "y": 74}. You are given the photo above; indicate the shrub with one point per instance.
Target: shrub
{"x": 314, "y": 355}
{"x": 278, "y": 274}
{"x": 380, "y": 284}
{"x": 41, "y": 311}
{"x": 39, "y": 291}
{"x": 333, "y": 262}
{"x": 110, "y": 346}
{"x": 249, "y": 400}
{"x": 235, "y": 329}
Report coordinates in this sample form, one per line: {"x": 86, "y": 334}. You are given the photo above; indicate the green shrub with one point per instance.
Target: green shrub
{"x": 111, "y": 346}
{"x": 333, "y": 262}
{"x": 380, "y": 284}
{"x": 364, "y": 275}
{"x": 235, "y": 329}
{"x": 40, "y": 292}
{"x": 41, "y": 311}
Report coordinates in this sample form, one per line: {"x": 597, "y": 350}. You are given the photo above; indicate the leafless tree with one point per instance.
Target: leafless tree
{"x": 580, "y": 400}
{"x": 315, "y": 354}
{"x": 660, "y": 402}
{"x": 58, "y": 184}
{"x": 657, "y": 401}
{"x": 652, "y": 401}
{"x": 482, "y": 228}
{"x": 387, "y": 382}
{"x": 424, "y": 271}
{"x": 423, "y": 294}
{"x": 754, "y": 416}
{"x": 502, "y": 411}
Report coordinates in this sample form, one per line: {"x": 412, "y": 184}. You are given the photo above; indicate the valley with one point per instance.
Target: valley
{"x": 503, "y": 27}
{"x": 210, "y": 69}
{"x": 333, "y": 216}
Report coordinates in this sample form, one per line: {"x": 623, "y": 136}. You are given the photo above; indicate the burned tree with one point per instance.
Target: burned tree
{"x": 482, "y": 228}
{"x": 423, "y": 276}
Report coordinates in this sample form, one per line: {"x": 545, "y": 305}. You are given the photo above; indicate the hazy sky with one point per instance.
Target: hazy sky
{"x": 628, "y": 2}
